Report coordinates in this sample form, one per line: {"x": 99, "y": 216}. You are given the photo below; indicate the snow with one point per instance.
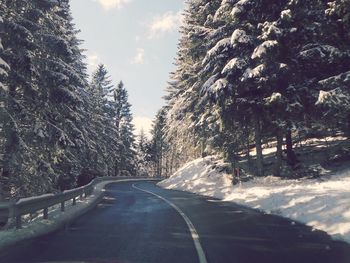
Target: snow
{"x": 266, "y": 150}
{"x": 234, "y": 64}
{"x": 198, "y": 177}
{"x": 220, "y": 47}
{"x": 256, "y": 72}
{"x": 209, "y": 83}
{"x": 283, "y": 66}
{"x": 244, "y": 2}
{"x": 286, "y": 14}
{"x": 240, "y": 7}
{"x": 236, "y": 11}
{"x": 341, "y": 80}
{"x": 4, "y": 88}
{"x": 241, "y": 37}
{"x": 262, "y": 49}
{"x": 219, "y": 85}
{"x": 4, "y": 67}
{"x": 333, "y": 6}
{"x": 39, "y": 131}
{"x": 3, "y": 73}
{"x": 269, "y": 29}
{"x": 324, "y": 205}
{"x": 269, "y": 148}
{"x": 333, "y": 98}
{"x": 225, "y": 2}
{"x": 222, "y": 11}
{"x": 325, "y": 53}
{"x": 4, "y": 64}
{"x": 276, "y": 97}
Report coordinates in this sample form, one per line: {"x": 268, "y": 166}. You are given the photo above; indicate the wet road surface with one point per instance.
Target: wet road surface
{"x": 134, "y": 226}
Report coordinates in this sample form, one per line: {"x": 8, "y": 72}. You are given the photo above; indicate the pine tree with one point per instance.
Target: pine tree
{"x": 4, "y": 115}
{"x": 185, "y": 106}
{"x": 231, "y": 86}
{"x": 121, "y": 102}
{"x": 103, "y": 117}
{"x": 19, "y": 52}
{"x": 102, "y": 88}
{"x": 126, "y": 129}
{"x": 334, "y": 97}
{"x": 261, "y": 68}
{"x": 158, "y": 144}
{"x": 142, "y": 150}
{"x": 53, "y": 132}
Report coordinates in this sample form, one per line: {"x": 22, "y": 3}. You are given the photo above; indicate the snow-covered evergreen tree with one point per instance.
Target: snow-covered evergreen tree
{"x": 334, "y": 95}
{"x": 53, "y": 132}
{"x": 103, "y": 116}
{"x": 124, "y": 120}
{"x": 269, "y": 68}
{"x": 20, "y": 47}
{"x": 5, "y": 118}
{"x": 143, "y": 164}
{"x": 185, "y": 106}
{"x": 101, "y": 87}
{"x": 158, "y": 144}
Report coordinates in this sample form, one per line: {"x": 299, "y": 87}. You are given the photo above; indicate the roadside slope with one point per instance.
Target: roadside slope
{"x": 324, "y": 205}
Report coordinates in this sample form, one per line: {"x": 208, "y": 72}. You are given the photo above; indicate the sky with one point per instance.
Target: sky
{"x": 136, "y": 40}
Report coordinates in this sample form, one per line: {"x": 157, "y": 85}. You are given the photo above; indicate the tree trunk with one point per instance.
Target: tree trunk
{"x": 203, "y": 154}
{"x": 161, "y": 160}
{"x": 248, "y": 146}
{"x": 259, "y": 153}
{"x": 291, "y": 157}
{"x": 279, "y": 146}
{"x": 347, "y": 133}
{"x": 116, "y": 172}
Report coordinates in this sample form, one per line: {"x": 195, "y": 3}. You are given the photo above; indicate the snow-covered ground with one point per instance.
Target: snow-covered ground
{"x": 269, "y": 148}
{"x": 322, "y": 204}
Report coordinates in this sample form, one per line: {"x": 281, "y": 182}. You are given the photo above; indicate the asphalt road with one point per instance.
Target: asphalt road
{"x": 133, "y": 226}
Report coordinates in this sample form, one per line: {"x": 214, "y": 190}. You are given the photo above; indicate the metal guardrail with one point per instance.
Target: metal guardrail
{"x": 16, "y": 210}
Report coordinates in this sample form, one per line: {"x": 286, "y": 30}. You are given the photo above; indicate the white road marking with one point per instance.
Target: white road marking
{"x": 200, "y": 252}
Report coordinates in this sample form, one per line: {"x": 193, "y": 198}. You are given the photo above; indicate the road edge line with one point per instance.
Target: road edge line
{"x": 194, "y": 234}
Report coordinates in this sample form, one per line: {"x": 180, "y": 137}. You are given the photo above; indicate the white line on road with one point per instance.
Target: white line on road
{"x": 193, "y": 231}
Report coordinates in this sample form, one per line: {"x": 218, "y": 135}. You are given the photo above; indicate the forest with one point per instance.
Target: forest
{"x": 249, "y": 73}
{"x": 255, "y": 74}
{"x": 59, "y": 129}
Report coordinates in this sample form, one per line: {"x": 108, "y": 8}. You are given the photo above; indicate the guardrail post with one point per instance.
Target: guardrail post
{"x": 46, "y": 213}
{"x": 18, "y": 222}
{"x": 74, "y": 201}
{"x": 62, "y": 206}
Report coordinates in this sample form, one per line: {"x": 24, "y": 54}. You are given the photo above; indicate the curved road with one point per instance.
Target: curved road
{"x": 156, "y": 225}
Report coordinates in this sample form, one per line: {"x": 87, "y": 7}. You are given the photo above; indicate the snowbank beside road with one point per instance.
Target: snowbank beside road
{"x": 324, "y": 205}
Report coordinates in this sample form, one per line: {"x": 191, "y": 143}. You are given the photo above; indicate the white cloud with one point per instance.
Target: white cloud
{"x": 111, "y": 4}
{"x": 144, "y": 123}
{"x": 139, "y": 58}
{"x": 165, "y": 23}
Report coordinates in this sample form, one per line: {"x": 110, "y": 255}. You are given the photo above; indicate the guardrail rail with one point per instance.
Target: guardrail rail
{"x": 17, "y": 209}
